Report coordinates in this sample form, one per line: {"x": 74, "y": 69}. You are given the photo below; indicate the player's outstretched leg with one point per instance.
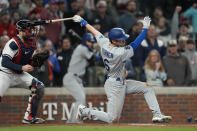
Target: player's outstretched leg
{"x": 149, "y": 95}
{"x": 37, "y": 93}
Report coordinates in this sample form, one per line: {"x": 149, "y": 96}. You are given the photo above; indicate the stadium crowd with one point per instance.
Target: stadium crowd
{"x": 167, "y": 57}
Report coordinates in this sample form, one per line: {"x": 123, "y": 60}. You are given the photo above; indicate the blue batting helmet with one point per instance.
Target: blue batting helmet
{"x": 117, "y": 34}
{"x": 87, "y": 37}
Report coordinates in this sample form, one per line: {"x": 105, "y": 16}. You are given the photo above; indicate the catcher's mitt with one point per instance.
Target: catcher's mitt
{"x": 39, "y": 58}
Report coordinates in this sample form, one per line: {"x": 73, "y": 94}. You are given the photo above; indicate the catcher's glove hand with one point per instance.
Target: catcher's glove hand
{"x": 39, "y": 58}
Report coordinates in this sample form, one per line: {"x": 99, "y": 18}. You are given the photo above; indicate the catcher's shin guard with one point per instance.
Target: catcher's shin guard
{"x": 34, "y": 99}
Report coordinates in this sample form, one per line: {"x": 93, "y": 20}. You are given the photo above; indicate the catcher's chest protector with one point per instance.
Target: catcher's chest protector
{"x": 24, "y": 53}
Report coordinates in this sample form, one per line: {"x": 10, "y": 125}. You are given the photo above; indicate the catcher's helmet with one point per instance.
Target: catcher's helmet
{"x": 117, "y": 34}
{"x": 23, "y": 24}
{"x": 88, "y": 37}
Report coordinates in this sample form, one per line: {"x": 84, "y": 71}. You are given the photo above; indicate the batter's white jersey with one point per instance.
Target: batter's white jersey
{"x": 79, "y": 59}
{"x": 114, "y": 57}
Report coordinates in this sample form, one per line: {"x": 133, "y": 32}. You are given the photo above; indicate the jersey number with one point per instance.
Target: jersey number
{"x": 105, "y": 61}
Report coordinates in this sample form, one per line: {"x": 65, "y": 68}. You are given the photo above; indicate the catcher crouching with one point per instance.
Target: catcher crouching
{"x": 15, "y": 63}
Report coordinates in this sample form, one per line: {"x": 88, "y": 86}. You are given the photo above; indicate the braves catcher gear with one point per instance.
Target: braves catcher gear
{"x": 39, "y": 58}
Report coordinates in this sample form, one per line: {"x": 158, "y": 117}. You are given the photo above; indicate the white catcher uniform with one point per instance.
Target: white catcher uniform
{"x": 72, "y": 80}
{"x": 20, "y": 54}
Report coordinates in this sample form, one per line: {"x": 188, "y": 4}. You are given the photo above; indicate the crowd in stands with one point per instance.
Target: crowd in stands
{"x": 166, "y": 57}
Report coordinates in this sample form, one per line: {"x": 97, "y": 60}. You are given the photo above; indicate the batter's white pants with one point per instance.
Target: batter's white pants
{"x": 115, "y": 91}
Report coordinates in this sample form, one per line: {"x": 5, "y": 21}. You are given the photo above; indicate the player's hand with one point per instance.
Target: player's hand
{"x": 146, "y": 22}
{"x": 27, "y": 68}
{"x": 80, "y": 20}
{"x": 77, "y": 18}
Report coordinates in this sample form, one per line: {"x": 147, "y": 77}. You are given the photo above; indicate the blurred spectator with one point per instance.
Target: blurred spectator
{"x": 73, "y": 29}
{"x": 121, "y": 4}
{"x": 14, "y": 7}
{"x": 90, "y": 4}
{"x": 112, "y": 11}
{"x": 54, "y": 63}
{"x": 128, "y": 18}
{"x": 42, "y": 38}
{"x": 148, "y": 6}
{"x": 133, "y": 33}
{"x": 96, "y": 70}
{"x": 139, "y": 16}
{"x": 163, "y": 30}
{"x": 157, "y": 14}
{"x": 191, "y": 55}
{"x": 176, "y": 66}
{"x": 192, "y": 14}
{"x": 62, "y": 9}
{"x": 154, "y": 70}
{"x": 151, "y": 42}
{"x": 54, "y": 29}
{"x": 3, "y": 40}
{"x": 64, "y": 58}
{"x": 26, "y": 6}
{"x": 44, "y": 73}
{"x": 175, "y": 22}
{"x": 34, "y": 14}
{"x": 184, "y": 31}
{"x": 3, "y": 4}
{"x": 96, "y": 23}
{"x": 6, "y": 27}
{"x": 38, "y": 7}
{"x": 106, "y": 21}
{"x": 84, "y": 11}
{"x": 130, "y": 72}
{"x": 182, "y": 44}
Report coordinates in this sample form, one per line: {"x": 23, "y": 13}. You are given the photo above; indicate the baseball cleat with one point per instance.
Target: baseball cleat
{"x": 33, "y": 121}
{"x": 166, "y": 119}
{"x": 161, "y": 119}
{"x": 80, "y": 116}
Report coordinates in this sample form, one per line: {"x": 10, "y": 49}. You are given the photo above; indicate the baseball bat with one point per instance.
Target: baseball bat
{"x": 43, "y": 22}
{"x": 64, "y": 19}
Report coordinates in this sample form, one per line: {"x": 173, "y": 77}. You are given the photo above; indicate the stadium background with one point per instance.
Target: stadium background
{"x": 180, "y": 102}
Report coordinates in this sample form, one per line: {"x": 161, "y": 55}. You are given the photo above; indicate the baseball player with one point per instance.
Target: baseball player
{"x": 81, "y": 56}
{"x": 15, "y": 63}
{"x": 114, "y": 53}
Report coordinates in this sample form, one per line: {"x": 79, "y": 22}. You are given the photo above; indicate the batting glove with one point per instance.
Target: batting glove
{"x": 80, "y": 20}
{"x": 146, "y": 22}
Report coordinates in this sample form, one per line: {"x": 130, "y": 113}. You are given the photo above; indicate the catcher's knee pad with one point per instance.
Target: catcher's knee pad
{"x": 39, "y": 88}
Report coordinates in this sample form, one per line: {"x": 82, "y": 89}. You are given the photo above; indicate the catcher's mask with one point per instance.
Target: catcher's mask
{"x": 29, "y": 29}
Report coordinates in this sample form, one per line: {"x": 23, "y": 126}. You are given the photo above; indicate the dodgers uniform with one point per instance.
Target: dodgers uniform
{"x": 72, "y": 80}
{"x": 116, "y": 86}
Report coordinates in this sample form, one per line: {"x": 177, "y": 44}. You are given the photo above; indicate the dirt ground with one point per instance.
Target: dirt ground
{"x": 121, "y": 124}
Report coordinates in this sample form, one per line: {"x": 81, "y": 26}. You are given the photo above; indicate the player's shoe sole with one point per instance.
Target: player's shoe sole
{"x": 161, "y": 119}
{"x": 167, "y": 119}
{"x": 33, "y": 121}
{"x": 80, "y": 116}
